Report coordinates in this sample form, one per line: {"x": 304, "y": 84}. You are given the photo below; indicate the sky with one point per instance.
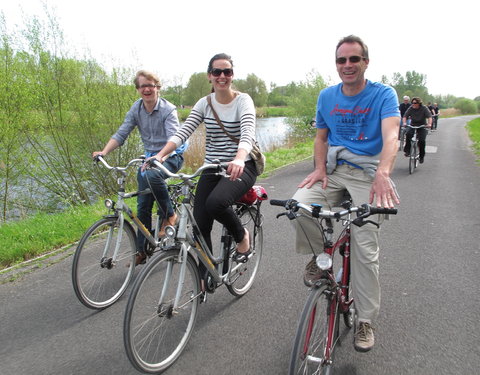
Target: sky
{"x": 279, "y": 41}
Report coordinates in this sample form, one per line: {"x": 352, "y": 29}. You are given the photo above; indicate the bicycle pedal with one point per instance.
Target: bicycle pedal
{"x": 203, "y": 297}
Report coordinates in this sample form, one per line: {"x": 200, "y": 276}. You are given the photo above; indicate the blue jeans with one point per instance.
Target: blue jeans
{"x": 155, "y": 180}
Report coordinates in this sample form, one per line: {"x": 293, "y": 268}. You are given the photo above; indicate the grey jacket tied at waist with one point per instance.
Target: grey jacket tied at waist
{"x": 367, "y": 163}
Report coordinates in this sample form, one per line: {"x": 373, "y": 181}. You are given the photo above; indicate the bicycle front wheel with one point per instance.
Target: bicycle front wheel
{"x": 312, "y": 349}
{"x": 242, "y": 280}
{"x": 155, "y": 330}
{"x": 99, "y": 276}
{"x": 413, "y": 158}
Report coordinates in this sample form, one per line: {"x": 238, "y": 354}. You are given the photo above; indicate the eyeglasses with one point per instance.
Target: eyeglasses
{"x": 415, "y": 103}
{"x": 226, "y": 72}
{"x": 147, "y": 86}
{"x": 352, "y": 59}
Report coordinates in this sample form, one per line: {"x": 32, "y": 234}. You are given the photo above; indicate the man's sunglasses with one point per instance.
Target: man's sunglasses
{"x": 352, "y": 59}
{"x": 415, "y": 103}
{"x": 226, "y": 72}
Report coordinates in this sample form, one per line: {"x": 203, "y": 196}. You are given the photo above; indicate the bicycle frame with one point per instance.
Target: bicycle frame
{"x": 196, "y": 246}
{"x": 338, "y": 302}
{"x": 120, "y": 207}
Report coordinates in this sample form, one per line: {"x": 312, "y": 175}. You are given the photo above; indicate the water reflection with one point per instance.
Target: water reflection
{"x": 272, "y": 132}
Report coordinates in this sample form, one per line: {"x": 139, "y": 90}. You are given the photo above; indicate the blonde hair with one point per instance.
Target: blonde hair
{"x": 148, "y": 75}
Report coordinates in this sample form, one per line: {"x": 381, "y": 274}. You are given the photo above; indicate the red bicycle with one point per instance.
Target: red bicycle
{"x": 331, "y": 297}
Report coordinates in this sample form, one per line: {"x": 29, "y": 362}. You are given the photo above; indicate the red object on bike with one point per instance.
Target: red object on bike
{"x": 255, "y": 192}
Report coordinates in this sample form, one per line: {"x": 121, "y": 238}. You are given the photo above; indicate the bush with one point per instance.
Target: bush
{"x": 466, "y": 106}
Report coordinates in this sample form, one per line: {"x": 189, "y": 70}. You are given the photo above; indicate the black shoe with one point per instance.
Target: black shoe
{"x": 421, "y": 160}
{"x": 407, "y": 154}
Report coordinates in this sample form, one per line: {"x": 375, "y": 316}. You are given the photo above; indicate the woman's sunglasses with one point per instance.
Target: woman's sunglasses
{"x": 226, "y": 72}
{"x": 352, "y": 59}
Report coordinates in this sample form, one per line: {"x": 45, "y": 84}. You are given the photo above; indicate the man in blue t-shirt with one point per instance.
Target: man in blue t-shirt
{"x": 355, "y": 149}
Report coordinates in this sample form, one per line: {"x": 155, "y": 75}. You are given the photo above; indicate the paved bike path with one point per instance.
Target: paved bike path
{"x": 429, "y": 260}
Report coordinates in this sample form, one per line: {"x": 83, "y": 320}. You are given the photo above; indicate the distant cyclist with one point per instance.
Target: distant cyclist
{"x": 436, "y": 113}
{"x": 403, "y": 108}
{"x": 419, "y": 115}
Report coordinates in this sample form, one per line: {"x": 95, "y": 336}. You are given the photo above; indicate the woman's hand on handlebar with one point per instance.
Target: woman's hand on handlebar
{"x": 235, "y": 169}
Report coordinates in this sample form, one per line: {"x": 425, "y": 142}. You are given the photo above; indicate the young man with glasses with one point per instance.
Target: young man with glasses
{"x": 419, "y": 115}
{"x": 355, "y": 149}
{"x": 156, "y": 120}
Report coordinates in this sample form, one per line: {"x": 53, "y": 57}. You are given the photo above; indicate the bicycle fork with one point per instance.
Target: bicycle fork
{"x": 332, "y": 325}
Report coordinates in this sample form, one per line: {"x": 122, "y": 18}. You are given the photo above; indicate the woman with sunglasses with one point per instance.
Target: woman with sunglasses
{"x": 215, "y": 194}
{"x": 419, "y": 115}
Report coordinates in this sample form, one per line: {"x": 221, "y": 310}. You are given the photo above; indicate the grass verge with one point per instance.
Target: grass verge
{"x": 474, "y": 133}
{"x": 43, "y": 233}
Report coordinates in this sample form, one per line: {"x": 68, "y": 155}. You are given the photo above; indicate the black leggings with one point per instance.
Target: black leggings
{"x": 214, "y": 197}
{"x": 422, "y": 136}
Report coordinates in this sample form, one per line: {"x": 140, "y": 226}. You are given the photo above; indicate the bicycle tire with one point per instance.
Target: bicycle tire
{"x": 411, "y": 161}
{"x": 415, "y": 150}
{"x": 349, "y": 316}
{"x": 154, "y": 334}
{"x": 243, "y": 280}
{"x": 98, "y": 281}
{"x": 310, "y": 340}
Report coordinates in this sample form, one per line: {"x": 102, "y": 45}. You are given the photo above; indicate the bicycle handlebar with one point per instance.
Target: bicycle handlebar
{"x": 415, "y": 127}
{"x": 220, "y": 167}
{"x": 363, "y": 210}
{"x": 99, "y": 158}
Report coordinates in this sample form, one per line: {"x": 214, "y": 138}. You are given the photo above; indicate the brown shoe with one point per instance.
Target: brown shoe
{"x": 172, "y": 220}
{"x": 140, "y": 258}
{"x": 364, "y": 338}
{"x": 313, "y": 273}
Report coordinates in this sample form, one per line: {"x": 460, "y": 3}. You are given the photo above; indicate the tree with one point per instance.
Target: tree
{"x": 304, "y": 101}
{"x": 466, "y": 106}
{"x": 255, "y": 87}
{"x": 413, "y": 84}
{"x": 197, "y": 87}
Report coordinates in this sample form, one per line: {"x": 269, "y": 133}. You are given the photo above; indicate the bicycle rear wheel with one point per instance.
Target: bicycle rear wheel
{"x": 242, "y": 280}
{"x": 98, "y": 279}
{"x": 312, "y": 352}
{"x": 154, "y": 331}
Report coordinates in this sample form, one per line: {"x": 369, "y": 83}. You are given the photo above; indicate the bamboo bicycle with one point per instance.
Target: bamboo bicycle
{"x": 162, "y": 307}
{"x": 331, "y": 297}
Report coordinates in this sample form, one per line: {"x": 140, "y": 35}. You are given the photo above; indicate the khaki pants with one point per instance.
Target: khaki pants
{"x": 364, "y": 242}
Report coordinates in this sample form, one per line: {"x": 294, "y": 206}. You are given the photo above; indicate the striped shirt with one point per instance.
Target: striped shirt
{"x": 238, "y": 118}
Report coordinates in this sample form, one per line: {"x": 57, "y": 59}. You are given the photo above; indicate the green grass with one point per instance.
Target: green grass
{"x": 42, "y": 233}
{"x": 474, "y": 132}
{"x": 28, "y": 238}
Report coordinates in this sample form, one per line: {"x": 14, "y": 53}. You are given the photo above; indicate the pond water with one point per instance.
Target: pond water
{"x": 272, "y": 132}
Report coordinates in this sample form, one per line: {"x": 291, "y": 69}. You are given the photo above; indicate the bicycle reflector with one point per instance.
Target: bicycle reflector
{"x": 324, "y": 261}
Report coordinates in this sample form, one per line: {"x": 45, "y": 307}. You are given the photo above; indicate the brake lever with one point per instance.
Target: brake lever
{"x": 359, "y": 222}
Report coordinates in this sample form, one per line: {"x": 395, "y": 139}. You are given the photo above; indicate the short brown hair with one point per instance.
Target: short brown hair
{"x": 353, "y": 39}
{"x": 148, "y": 75}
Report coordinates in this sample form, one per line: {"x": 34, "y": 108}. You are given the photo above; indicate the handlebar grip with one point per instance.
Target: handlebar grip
{"x": 277, "y": 202}
{"x": 383, "y": 210}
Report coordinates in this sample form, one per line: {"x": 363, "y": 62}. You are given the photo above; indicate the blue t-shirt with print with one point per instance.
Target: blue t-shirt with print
{"x": 355, "y": 121}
